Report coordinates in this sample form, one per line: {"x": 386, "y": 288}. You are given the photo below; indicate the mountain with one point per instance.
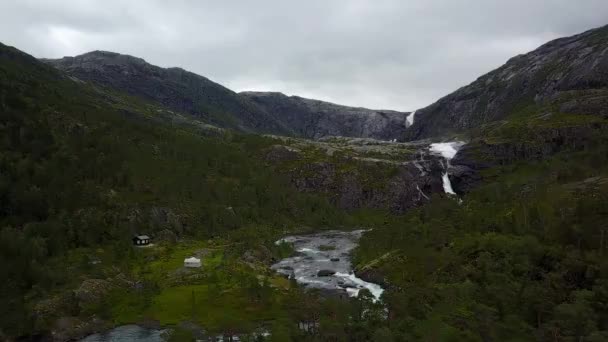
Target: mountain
{"x": 316, "y": 119}
{"x": 569, "y": 73}
{"x": 255, "y": 112}
{"x": 82, "y": 169}
{"x": 173, "y": 88}
{"x": 499, "y": 237}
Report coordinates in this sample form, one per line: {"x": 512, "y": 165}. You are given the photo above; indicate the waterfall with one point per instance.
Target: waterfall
{"x": 409, "y": 120}
{"x": 447, "y": 185}
{"x": 448, "y": 151}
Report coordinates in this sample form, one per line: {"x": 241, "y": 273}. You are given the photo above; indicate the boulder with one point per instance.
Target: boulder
{"x": 325, "y": 273}
{"x": 47, "y": 310}
{"x": 259, "y": 254}
{"x": 92, "y": 291}
{"x": 74, "y": 328}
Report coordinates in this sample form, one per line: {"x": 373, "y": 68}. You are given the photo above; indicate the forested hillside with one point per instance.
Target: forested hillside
{"x": 84, "y": 168}
{"x": 521, "y": 257}
{"x": 518, "y": 253}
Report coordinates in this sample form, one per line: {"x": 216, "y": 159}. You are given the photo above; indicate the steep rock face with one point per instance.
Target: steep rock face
{"x": 535, "y": 145}
{"x": 575, "y": 67}
{"x": 174, "y": 88}
{"x": 316, "y": 119}
{"x": 256, "y": 112}
{"x": 354, "y": 183}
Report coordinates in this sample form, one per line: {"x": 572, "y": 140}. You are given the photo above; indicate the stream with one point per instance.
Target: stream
{"x": 127, "y": 333}
{"x": 323, "y": 262}
{"x": 327, "y": 252}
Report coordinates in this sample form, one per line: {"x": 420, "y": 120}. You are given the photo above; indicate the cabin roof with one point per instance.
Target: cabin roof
{"x": 142, "y": 237}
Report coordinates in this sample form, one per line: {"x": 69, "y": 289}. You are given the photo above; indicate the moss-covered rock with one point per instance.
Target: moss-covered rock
{"x": 92, "y": 292}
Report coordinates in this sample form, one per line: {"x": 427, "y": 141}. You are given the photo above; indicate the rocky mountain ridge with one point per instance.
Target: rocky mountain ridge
{"x": 571, "y": 72}
{"x": 316, "y": 119}
{"x": 365, "y": 173}
{"x": 173, "y": 88}
{"x": 255, "y": 112}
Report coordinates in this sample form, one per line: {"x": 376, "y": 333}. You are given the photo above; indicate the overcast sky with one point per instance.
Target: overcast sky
{"x": 395, "y": 54}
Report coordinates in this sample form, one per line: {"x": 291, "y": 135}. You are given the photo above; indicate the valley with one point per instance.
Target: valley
{"x": 478, "y": 218}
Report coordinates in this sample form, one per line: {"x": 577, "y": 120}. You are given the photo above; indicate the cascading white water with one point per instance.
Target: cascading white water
{"x": 447, "y": 185}
{"x": 305, "y": 266}
{"x": 409, "y": 120}
{"x": 375, "y": 289}
{"x": 448, "y": 151}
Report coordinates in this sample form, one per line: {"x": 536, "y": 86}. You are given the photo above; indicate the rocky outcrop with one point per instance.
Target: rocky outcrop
{"x": 575, "y": 67}
{"x": 534, "y": 144}
{"x": 316, "y": 119}
{"x": 92, "y": 292}
{"x": 74, "y": 328}
{"x": 355, "y": 182}
{"x": 48, "y": 310}
{"x": 258, "y": 254}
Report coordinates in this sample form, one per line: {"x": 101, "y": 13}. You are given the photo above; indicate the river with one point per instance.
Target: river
{"x": 127, "y": 333}
{"x": 323, "y": 261}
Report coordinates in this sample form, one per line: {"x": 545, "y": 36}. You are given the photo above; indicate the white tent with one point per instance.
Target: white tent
{"x": 192, "y": 262}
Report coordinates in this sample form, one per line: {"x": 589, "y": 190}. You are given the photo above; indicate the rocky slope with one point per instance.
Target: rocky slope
{"x": 186, "y": 92}
{"x": 361, "y": 173}
{"x": 571, "y": 72}
{"x": 315, "y": 119}
{"x": 173, "y": 88}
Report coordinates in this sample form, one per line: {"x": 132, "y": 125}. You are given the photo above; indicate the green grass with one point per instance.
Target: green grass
{"x": 171, "y": 258}
{"x": 225, "y": 294}
{"x": 181, "y": 303}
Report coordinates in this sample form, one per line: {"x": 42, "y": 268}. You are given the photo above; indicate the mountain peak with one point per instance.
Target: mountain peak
{"x": 101, "y": 57}
{"x": 548, "y": 73}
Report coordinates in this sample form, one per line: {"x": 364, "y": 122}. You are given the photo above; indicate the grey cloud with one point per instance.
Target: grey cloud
{"x": 377, "y": 53}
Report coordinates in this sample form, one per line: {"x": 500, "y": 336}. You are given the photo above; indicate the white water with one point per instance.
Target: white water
{"x": 375, "y": 289}
{"x": 447, "y": 185}
{"x": 127, "y": 333}
{"x": 448, "y": 151}
{"x": 304, "y": 267}
{"x": 409, "y": 120}
{"x": 308, "y": 250}
{"x": 421, "y": 193}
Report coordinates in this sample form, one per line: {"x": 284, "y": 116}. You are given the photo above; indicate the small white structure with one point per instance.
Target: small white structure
{"x": 192, "y": 262}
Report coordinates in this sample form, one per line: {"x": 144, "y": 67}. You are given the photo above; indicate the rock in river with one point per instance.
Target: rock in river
{"x": 325, "y": 273}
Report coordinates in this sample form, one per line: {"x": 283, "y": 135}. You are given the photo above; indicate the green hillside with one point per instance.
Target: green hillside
{"x": 520, "y": 256}
{"x": 82, "y": 169}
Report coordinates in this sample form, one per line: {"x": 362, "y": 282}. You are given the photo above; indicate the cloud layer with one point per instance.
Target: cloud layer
{"x": 391, "y": 54}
